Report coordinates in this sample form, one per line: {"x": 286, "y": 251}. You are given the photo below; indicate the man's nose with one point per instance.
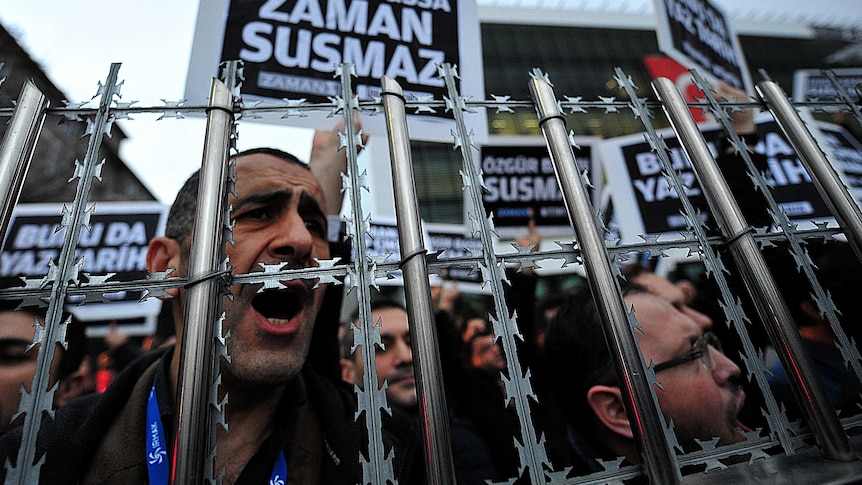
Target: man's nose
{"x": 404, "y": 353}
{"x": 291, "y": 238}
{"x": 725, "y": 369}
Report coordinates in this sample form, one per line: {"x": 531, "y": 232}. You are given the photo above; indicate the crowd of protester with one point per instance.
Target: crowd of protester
{"x": 580, "y": 407}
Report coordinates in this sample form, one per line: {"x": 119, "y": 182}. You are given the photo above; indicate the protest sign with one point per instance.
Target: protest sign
{"x": 698, "y": 35}
{"x": 115, "y": 241}
{"x": 455, "y": 243}
{"x": 644, "y": 204}
{"x": 521, "y": 183}
{"x": 381, "y": 243}
{"x": 451, "y": 239}
{"x": 845, "y": 152}
{"x": 813, "y": 85}
{"x": 290, "y": 50}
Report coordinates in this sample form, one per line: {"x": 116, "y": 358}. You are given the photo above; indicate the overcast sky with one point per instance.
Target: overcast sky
{"x": 76, "y": 42}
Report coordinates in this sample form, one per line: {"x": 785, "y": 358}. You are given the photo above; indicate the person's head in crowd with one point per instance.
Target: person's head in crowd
{"x": 281, "y": 411}
{"x": 18, "y": 361}
{"x": 474, "y": 324}
{"x": 840, "y": 275}
{"x": 699, "y": 389}
{"x": 394, "y": 359}
{"x": 546, "y": 310}
{"x": 839, "y": 272}
{"x": 483, "y": 351}
{"x": 279, "y": 216}
{"x": 678, "y": 295}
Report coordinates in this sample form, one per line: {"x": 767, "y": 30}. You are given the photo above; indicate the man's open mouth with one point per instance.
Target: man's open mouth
{"x": 278, "y": 306}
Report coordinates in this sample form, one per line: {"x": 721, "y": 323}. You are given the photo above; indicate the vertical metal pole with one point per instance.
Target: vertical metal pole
{"x": 529, "y": 442}
{"x": 423, "y": 332}
{"x": 61, "y": 276}
{"x": 202, "y": 298}
{"x": 16, "y": 150}
{"x": 735, "y": 317}
{"x": 833, "y": 191}
{"x": 642, "y": 409}
{"x": 770, "y": 306}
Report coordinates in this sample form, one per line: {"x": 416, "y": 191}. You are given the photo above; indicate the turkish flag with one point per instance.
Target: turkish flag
{"x": 663, "y": 66}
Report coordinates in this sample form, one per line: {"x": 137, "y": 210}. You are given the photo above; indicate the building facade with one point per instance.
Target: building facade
{"x": 62, "y": 140}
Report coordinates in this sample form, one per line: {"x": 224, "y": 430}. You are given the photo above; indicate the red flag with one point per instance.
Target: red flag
{"x": 663, "y": 66}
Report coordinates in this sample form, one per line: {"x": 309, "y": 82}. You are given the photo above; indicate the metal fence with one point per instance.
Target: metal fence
{"x": 820, "y": 445}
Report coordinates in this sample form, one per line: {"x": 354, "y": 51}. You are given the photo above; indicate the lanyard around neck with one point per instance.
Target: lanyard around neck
{"x": 157, "y": 453}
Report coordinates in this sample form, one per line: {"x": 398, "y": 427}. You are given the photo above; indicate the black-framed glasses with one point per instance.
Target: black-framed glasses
{"x": 13, "y": 351}
{"x": 700, "y": 351}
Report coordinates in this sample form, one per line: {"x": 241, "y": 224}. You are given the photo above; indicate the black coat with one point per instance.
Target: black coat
{"x": 74, "y": 439}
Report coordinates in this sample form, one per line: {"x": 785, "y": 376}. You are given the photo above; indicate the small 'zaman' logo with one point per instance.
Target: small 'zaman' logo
{"x": 276, "y": 480}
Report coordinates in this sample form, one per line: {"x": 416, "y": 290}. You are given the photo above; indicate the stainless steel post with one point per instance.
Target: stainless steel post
{"x": 758, "y": 280}
{"x": 202, "y": 297}
{"x": 17, "y": 148}
{"x": 61, "y": 276}
{"x": 833, "y": 191}
{"x": 423, "y": 331}
{"x": 660, "y": 463}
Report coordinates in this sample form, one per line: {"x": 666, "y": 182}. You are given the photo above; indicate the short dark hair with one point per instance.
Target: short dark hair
{"x": 181, "y": 217}
{"x": 347, "y": 335}
{"x": 578, "y": 354}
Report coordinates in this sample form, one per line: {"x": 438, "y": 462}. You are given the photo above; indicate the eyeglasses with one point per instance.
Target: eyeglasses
{"x": 13, "y": 351}
{"x": 700, "y": 351}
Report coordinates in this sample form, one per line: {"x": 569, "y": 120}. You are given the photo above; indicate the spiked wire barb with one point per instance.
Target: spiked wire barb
{"x": 62, "y": 274}
{"x": 377, "y": 463}
{"x": 516, "y": 380}
{"x": 714, "y": 266}
{"x": 65, "y": 279}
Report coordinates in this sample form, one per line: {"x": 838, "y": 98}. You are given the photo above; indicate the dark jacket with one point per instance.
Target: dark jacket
{"x": 100, "y": 438}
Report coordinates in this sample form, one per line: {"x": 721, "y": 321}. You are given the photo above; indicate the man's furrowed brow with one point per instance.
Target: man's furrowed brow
{"x": 264, "y": 198}
{"x": 308, "y": 204}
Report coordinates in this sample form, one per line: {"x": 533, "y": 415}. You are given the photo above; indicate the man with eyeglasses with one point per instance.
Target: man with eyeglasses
{"x": 663, "y": 288}
{"x": 18, "y": 361}
{"x": 699, "y": 393}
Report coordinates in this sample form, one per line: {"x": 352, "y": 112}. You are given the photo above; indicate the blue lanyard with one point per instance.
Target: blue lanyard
{"x": 279, "y": 471}
{"x": 157, "y": 453}
{"x": 157, "y": 449}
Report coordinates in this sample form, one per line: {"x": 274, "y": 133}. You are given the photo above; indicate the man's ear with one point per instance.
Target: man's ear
{"x": 607, "y": 405}
{"x": 163, "y": 254}
{"x": 348, "y": 371}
